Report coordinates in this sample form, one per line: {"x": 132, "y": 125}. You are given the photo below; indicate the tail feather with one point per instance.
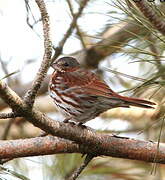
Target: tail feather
{"x": 140, "y": 105}
{"x": 139, "y": 102}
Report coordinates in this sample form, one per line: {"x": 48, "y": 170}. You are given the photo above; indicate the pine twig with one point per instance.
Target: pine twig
{"x": 78, "y": 171}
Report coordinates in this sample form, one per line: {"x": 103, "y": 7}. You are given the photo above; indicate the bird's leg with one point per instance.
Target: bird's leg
{"x": 80, "y": 124}
{"x": 43, "y": 134}
{"x": 66, "y": 120}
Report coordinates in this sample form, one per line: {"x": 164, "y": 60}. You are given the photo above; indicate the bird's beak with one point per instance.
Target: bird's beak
{"x": 54, "y": 65}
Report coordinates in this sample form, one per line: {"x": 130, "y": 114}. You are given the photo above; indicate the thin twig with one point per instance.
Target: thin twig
{"x": 7, "y": 129}
{"x": 29, "y": 11}
{"x": 31, "y": 94}
{"x": 5, "y": 70}
{"x": 8, "y": 115}
{"x": 3, "y": 65}
{"x": 59, "y": 49}
{"x": 13, "y": 173}
{"x": 11, "y": 115}
{"x": 78, "y": 171}
{"x": 27, "y": 6}
{"x": 77, "y": 27}
{"x": 3, "y": 161}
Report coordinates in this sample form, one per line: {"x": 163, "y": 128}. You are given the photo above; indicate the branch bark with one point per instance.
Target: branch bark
{"x": 31, "y": 94}
{"x": 113, "y": 146}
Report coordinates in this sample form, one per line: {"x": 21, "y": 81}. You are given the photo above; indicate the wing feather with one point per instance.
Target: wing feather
{"x": 90, "y": 84}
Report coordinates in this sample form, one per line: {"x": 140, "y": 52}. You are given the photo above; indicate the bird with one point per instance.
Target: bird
{"x": 80, "y": 95}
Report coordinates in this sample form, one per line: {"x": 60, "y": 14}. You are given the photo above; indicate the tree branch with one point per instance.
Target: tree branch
{"x": 31, "y": 94}
{"x": 116, "y": 147}
{"x": 24, "y": 88}
{"x": 36, "y": 147}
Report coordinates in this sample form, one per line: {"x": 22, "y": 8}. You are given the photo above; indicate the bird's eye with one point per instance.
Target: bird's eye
{"x": 66, "y": 64}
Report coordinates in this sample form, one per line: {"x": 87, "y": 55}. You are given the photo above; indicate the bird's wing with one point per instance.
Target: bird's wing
{"x": 90, "y": 83}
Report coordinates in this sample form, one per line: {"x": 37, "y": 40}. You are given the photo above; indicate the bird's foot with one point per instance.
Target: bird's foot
{"x": 43, "y": 134}
{"x": 80, "y": 124}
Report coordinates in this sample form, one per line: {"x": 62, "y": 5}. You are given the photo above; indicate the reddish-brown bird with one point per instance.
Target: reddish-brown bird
{"x": 81, "y": 96}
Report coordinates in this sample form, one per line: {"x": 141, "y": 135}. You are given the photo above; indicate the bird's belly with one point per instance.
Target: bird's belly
{"x": 73, "y": 103}
{"x": 67, "y": 105}
{"x": 80, "y": 109}
{"x": 87, "y": 115}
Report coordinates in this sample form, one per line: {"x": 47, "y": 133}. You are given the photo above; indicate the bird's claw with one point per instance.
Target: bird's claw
{"x": 80, "y": 124}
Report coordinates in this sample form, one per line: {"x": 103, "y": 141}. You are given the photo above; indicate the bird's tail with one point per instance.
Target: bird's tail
{"x": 138, "y": 102}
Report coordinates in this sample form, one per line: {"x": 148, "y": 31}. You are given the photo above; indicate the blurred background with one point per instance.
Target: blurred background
{"x": 113, "y": 39}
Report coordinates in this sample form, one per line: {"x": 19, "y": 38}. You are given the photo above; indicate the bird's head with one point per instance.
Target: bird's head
{"x": 65, "y": 64}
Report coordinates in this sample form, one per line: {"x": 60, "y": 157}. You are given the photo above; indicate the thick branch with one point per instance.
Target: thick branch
{"x": 115, "y": 147}
{"x": 90, "y": 140}
{"x": 36, "y": 147}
